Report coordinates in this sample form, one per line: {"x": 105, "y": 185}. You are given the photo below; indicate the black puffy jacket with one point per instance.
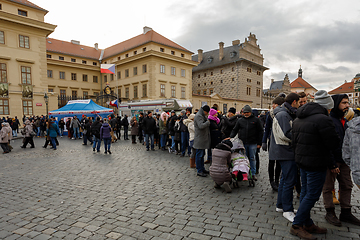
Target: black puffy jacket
{"x": 313, "y": 138}
{"x": 149, "y": 125}
{"x": 249, "y": 130}
{"x": 95, "y": 128}
{"x": 227, "y": 125}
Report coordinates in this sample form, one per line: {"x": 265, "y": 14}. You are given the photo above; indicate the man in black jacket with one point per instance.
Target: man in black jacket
{"x": 250, "y": 131}
{"x": 313, "y": 138}
{"x": 141, "y": 118}
{"x": 171, "y": 124}
{"x": 95, "y": 131}
{"x": 125, "y": 123}
{"x": 149, "y": 127}
{"x": 228, "y": 123}
{"x": 341, "y": 105}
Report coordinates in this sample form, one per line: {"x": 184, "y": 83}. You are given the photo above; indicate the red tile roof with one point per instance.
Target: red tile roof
{"x": 68, "y": 48}
{"x": 344, "y": 88}
{"x": 150, "y": 36}
{"x": 300, "y": 83}
{"x": 28, "y": 3}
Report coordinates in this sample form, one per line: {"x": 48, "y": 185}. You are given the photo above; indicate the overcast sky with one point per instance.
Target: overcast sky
{"x": 320, "y": 35}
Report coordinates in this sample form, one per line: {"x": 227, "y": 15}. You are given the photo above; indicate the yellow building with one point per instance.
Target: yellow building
{"x": 23, "y": 66}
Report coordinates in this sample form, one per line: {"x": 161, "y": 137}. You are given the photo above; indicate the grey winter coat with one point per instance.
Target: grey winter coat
{"x": 351, "y": 149}
{"x": 202, "y": 138}
{"x": 5, "y": 133}
{"x": 28, "y": 128}
{"x": 219, "y": 170}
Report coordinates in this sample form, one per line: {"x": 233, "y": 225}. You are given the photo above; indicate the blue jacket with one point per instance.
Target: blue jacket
{"x": 105, "y": 131}
{"x": 53, "y": 130}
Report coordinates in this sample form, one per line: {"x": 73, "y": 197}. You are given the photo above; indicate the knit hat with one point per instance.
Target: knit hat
{"x": 324, "y": 99}
{"x": 247, "y": 108}
{"x": 232, "y": 110}
{"x": 227, "y": 142}
{"x": 212, "y": 112}
{"x": 282, "y": 95}
{"x": 183, "y": 112}
{"x": 206, "y": 108}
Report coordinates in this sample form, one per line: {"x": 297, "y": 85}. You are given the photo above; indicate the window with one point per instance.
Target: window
{"x": 221, "y": 81}
{"x": 105, "y": 78}
{"x": 258, "y": 73}
{"x": 127, "y": 55}
{"x": 85, "y": 78}
{"x": 161, "y": 50}
{"x": 173, "y": 71}
{"x": 74, "y": 94}
{"x": 119, "y": 58}
{"x": 49, "y": 73}
{"x": 135, "y": 71}
{"x": 221, "y": 71}
{"x": 144, "y": 49}
{"x": 119, "y": 92}
{"x": 135, "y": 52}
{"x": 198, "y": 84}
{"x": 95, "y": 79}
{"x": 118, "y": 75}
{"x": 144, "y": 90}
{"x": 232, "y": 69}
{"x": 211, "y": 91}
{"x": 258, "y": 83}
{"x": 172, "y": 52}
{"x": 162, "y": 90}
{"x": 62, "y": 93}
{"x": 83, "y": 62}
{"x": 4, "y": 107}
{"x": 27, "y": 107}
{"x": 204, "y": 83}
{"x": 183, "y": 72}
{"x": 204, "y": 92}
{"x": 182, "y": 55}
{"x": 248, "y": 69}
{"x": 127, "y": 92}
{"x": 204, "y": 74}
{"x": 173, "y": 91}
{"x": 211, "y": 83}
{"x": 198, "y": 92}
{"x": 25, "y": 75}
{"x": 73, "y": 76}
{"x": 24, "y": 41}
{"x": 224, "y": 107}
{"x": 199, "y": 76}
{"x": 94, "y": 63}
{"x": 248, "y": 90}
{"x": 62, "y": 75}
{"x": 48, "y": 55}
{"x": 258, "y": 92}
{"x": 126, "y": 73}
{"x": 162, "y": 68}
{"x": 50, "y": 90}
{"x": 73, "y": 60}
{"x": 183, "y": 95}
{"x": 135, "y": 91}
{"x": 111, "y": 77}
{"x": 96, "y": 94}
{"x": 211, "y": 73}
{"x": 144, "y": 68}
{"x": 85, "y": 94}
{"x": 22, "y": 13}
{"x": 248, "y": 80}
{"x": 61, "y": 58}
{"x": 3, "y": 74}
{"x": 2, "y": 37}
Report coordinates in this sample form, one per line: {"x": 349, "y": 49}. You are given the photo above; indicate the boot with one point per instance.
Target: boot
{"x": 347, "y": 216}
{"x": 274, "y": 186}
{"x": 335, "y": 201}
{"x": 299, "y": 231}
{"x": 331, "y": 217}
{"x": 192, "y": 163}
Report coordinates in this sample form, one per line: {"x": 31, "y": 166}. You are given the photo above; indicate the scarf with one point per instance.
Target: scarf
{"x": 216, "y": 119}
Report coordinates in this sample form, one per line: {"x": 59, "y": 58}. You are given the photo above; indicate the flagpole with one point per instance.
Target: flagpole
{"x": 117, "y": 87}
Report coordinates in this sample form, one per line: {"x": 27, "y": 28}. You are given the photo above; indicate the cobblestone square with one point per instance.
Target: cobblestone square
{"x": 73, "y": 193}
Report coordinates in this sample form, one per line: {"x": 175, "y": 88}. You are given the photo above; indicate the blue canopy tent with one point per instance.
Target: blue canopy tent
{"x": 79, "y": 108}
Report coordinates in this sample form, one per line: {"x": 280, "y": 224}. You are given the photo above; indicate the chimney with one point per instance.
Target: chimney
{"x": 96, "y": 45}
{"x": 200, "y": 55}
{"x": 75, "y": 42}
{"x": 147, "y": 29}
{"x": 221, "y": 50}
{"x": 236, "y": 42}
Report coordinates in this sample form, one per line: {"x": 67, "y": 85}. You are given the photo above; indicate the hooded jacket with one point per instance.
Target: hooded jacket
{"x": 337, "y": 115}
{"x": 249, "y": 130}
{"x": 105, "y": 131}
{"x": 95, "y": 129}
{"x": 351, "y": 149}
{"x": 227, "y": 125}
{"x": 53, "y": 130}
{"x": 5, "y": 133}
{"x": 313, "y": 138}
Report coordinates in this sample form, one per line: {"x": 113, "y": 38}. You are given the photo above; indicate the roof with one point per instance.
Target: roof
{"x": 150, "y": 36}
{"x": 59, "y": 46}
{"x": 276, "y": 85}
{"x": 211, "y": 58}
{"x": 300, "y": 83}
{"x": 79, "y": 107}
{"x": 28, "y": 4}
{"x": 344, "y": 88}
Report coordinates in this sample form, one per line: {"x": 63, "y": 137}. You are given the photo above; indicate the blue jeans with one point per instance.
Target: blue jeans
{"x": 286, "y": 185}
{"x": 163, "y": 140}
{"x": 14, "y": 133}
{"x": 173, "y": 142}
{"x": 61, "y": 131}
{"x": 312, "y": 185}
{"x": 85, "y": 139}
{"x": 97, "y": 143}
{"x": 199, "y": 160}
{"x": 126, "y": 132}
{"x": 250, "y": 153}
{"x": 209, "y": 154}
{"x": 185, "y": 143}
{"x": 53, "y": 142}
{"x": 151, "y": 136}
{"x": 38, "y": 132}
{"x": 76, "y": 133}
{"x": 107, "y": 143}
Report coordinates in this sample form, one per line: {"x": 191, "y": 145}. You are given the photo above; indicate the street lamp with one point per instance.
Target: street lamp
{"x": 46, "y": 98}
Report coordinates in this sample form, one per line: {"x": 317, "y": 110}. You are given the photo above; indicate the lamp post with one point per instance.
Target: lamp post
{"x": 46, "y": 98}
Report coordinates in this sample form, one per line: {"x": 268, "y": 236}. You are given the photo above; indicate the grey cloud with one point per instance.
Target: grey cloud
{"x": 340, "y": 69}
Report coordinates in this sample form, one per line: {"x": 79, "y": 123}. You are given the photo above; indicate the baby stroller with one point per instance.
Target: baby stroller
{"x": 240, "y": 165}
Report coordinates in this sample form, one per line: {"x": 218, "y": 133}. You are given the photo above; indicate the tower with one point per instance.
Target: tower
{"x": 300, "y": 72}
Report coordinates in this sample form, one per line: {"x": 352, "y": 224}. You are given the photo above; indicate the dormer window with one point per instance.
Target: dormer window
{"x": 22, "y": 13}
{"x": 210, "y": 59}
{"x": 232, "y": 54}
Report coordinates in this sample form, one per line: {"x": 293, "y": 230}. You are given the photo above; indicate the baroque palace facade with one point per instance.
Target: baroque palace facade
{"x": 148, "y": 66}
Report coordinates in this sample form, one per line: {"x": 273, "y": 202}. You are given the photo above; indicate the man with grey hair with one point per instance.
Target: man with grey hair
{"x": 313, "y": 138}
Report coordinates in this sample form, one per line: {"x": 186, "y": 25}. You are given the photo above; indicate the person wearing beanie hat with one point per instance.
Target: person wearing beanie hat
{"x": 149, "y": 127}
{"x": 228, "y": 123}
{"x": 184, "y": 134}
{"x": 341, "y": 105}
{"x": 313, "y": 139}
{"x": 202, "y": 139}
{"x": 247, "y": 109}
{"x": 232, "y": 110}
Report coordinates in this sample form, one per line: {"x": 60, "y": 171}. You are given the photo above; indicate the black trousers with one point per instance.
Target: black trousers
{"x": 29, "y": 140}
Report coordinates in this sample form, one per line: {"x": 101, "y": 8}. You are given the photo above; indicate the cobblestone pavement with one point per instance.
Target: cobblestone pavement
{"x": 73, "y": 193}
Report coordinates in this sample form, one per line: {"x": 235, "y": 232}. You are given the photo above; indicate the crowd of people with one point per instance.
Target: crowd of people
{"x": 310, "y": 145}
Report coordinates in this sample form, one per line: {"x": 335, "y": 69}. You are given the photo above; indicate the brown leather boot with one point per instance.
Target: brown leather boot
{"x": 192, "y": 163}
{"x": 331, "y": 217}
{"x": 347, "y": 216}
{"x": 315, "y": 229}
{"x": 335, "y": 201}
{"x": 299, "y": 231}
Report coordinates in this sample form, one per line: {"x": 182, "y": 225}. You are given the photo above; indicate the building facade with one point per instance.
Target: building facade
{"x": 234, "y": 72}
{"x": 349, "y": 89}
